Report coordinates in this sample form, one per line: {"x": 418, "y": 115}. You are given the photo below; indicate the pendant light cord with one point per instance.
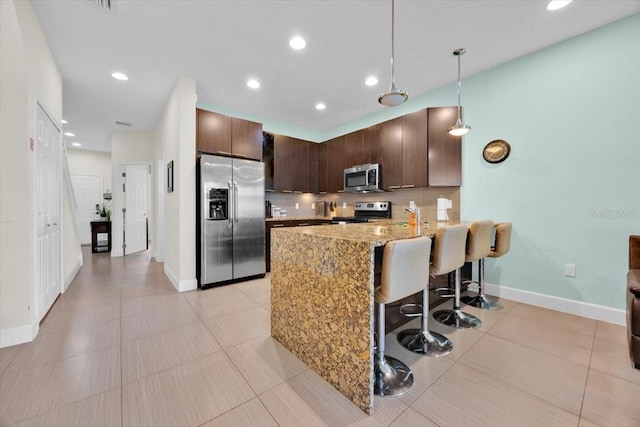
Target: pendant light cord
{"x": 393, "y": 81}
{"x": 459, "y": 84}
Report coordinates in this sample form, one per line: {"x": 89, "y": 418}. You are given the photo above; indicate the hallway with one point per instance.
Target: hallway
{"x": 122, "y": 347}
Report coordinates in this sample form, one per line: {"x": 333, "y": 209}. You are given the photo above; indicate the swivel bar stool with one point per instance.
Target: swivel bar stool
{"x": 404, "y": 273}
{"x": 447, "y": 241}
{"x": 478, "y": 246}
{"x": 500, "y": 247}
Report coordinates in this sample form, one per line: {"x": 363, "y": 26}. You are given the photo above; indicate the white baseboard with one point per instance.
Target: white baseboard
{"x": 73, "y": 273}
{"x": 579, "y": 308}
{"x": 180, "y": 285}
{"x": 18, "y": 335}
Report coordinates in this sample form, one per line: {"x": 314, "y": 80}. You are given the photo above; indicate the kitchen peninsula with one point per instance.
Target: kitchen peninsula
{"x": 322, "y": 287}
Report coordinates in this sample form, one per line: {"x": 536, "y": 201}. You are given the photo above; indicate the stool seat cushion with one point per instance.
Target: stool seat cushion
{"x": 479, "y": 240}
{"x": 405, "y": 269}
{"x": 449, "y": 249}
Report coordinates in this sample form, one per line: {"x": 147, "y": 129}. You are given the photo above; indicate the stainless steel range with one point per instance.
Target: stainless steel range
{"x": 365, "y": 210}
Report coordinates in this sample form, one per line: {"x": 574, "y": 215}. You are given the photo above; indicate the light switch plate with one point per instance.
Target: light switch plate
{"x": 344, "y": 205}
{"x": 313, "y": 205}
{"x": 297, "y": 205}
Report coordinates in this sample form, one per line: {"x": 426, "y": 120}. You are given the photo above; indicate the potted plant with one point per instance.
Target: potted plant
{"x": 104, "y": 211}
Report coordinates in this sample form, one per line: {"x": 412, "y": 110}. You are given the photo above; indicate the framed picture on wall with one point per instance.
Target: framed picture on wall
{"x": 170, "y": 177}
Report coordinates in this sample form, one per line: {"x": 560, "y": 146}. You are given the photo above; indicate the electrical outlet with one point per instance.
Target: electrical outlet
{"x": 344, "y": 205}
{"x": 313, "y": 205}
{"x": 297, "y": 205}
{"x": 570, "y": 270}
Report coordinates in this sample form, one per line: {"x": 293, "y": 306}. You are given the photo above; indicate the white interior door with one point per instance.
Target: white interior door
{"x": 88, "y": 191}
{"x": 135, "y": 202}
{"x": 48, "y": 272}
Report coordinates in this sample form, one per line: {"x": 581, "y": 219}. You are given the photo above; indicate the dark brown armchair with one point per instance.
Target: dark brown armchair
{"x": 633, "y": 300}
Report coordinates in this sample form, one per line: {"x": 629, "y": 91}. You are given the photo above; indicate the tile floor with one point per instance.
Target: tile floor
{"x": 122, "y": 348}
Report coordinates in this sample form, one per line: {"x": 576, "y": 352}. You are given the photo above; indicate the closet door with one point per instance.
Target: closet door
{"x": 47, "y": 180}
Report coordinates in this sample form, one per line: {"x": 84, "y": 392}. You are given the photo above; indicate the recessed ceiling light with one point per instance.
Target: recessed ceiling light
{"x": 69, "y": 134}
{"x": 297, "y": 43}
{"x": 119, "y": 76}
{"x": 557, "y": 4}
{"x": 320, "y": 106}
{"x": 371, "y": 81}
{"x": 64, "y": 122}
{"x": 253, "y": 84}
{"x": 77, "y": 144}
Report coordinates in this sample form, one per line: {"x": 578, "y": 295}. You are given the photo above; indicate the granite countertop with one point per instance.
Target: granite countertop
{"x": 376, "y": 234}
{"x": 299, "y": 218}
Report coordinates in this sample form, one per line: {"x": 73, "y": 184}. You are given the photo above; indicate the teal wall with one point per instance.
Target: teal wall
{"x": 571, "y": 186}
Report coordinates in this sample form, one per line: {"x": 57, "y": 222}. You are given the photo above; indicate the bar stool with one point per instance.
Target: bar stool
{"x": 424, "y": 341}
{"x": 500, "y": 247}
{"x": 404, "y": 273}
{"x": 478, "y": 246}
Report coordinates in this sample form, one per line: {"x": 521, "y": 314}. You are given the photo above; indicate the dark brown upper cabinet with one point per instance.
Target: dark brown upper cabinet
{"x": 312, "y": 164}
{"x": 391, "y": 149}
{"x": 445, "y": 150}
{"x": 282, "y": 171}
{"x": 323, "y": 185}
{"x": 354, "y": 154}
{"x": 414, "y": 150}
{"x": 300, "y": 166}
{"x": 372, "y": 144}
{"x": 336, "y": 164}
{"x": 229, "y": 136}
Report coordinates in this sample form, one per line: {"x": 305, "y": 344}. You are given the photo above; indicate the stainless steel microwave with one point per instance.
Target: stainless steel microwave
{"x": 363, "y": 178}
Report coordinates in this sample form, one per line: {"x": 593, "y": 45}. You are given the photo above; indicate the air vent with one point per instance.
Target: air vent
{"x": 108, "y": 6}
{"x": 123, "y": 124}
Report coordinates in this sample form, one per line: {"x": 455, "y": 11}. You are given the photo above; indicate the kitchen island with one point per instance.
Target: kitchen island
{"x": 322, "y": 286}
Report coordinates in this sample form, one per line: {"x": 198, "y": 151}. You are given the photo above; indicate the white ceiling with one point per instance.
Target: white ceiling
{"x": 223, "y": 43}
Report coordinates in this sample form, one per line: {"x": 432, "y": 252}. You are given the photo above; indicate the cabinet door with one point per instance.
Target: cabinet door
{"x": 353, "y": 149}
{"x": 323, "y": 184}
{"x": 300, "y": 166}
{"x": 336, "y": 164}
{"x": 371, "y": 145}
{"x": 445, "y": 150}
{"x": 414, "y": 149}
{"x": 246, "y": 139}
{"x": 283, "y": 156}
{"x": 213, "y": 134}
{"x": 312, "y": 165}
{"x": 391, "y": 140}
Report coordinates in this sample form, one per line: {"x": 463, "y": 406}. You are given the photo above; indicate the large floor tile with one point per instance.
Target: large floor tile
{"x": 412, "y": 418}
{"x": 187, "y": 395}
{"x": 610, "y": 332}
{"x": 308, "y": 400}
{"x": 102, "y": 410}
{"x": 241, "y": 326}
{"x": 147, "y": 356}
{"x": 611, "y": 401}
{"x": 466, "y": 397}
{"x": 220, "y": 301}
{"x": 58, "y": 319}
{"x": 146, "y": 303}
{"x": 61, "y": 344}
{"x": 253, "y": 413}
{"x": 555, "y": 318}
{"x": 33, "y": 392}
{"x": 258, "y": 290}
{"x": 612, "y": 357}
{"x": 6, "y": 356}
{"x": 265, "y": 363}
{"x": 563, "y": 343}
{"x": 152, "y": 322}
{"x": 547, "y": 377}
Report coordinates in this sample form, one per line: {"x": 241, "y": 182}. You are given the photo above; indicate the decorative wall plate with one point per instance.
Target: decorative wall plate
{"x": 496, "y": 151}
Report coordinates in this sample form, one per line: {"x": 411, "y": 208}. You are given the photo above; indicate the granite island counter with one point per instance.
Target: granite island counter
{"x": 322, "y": 287}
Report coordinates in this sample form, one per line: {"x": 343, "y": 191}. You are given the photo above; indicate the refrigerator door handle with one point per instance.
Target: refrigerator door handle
{"x": 230, "y": 206}
{"x": 235, "y": 195}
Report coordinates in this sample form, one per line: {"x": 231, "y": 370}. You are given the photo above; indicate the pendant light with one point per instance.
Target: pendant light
{"x": 459, "y": 129}
{"x": 393, "y": 96}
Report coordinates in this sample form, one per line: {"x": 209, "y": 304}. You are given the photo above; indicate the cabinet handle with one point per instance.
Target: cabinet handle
{"x": 277, "y": 225}
{"x": 241, "y": 155}
{"x": 48, "y": 225}
{"x": 297, "y": 192}
{"x": 269, "y": 191}
{"x": 409, "y": 186}
{"x": 340, "y": 191}
{"x": 392, "y": 187}
{"x": 287, "y": 191}
{"x": 223, "y": 152}
{"x": 303, "y": 224}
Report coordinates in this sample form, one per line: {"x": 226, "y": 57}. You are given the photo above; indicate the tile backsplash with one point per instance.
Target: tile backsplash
{"x": 425, "y": 199}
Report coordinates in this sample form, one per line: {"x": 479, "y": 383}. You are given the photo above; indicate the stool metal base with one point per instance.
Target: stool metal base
{"x": 428, "y": 343}
{"x": 457, "y": 319}
{"x": 392, "y": 377}
{"x": 481, "y": 301}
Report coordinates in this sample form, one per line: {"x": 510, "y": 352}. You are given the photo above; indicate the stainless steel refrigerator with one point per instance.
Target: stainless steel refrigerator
{"x": 230, "y": 220}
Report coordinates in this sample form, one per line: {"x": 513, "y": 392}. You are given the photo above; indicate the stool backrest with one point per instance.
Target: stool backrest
{"x": 479, "y": 240}
{"x": 503, "y": 240}
{"x": 405, "y": 269}
{"x": 449, "y": 249}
